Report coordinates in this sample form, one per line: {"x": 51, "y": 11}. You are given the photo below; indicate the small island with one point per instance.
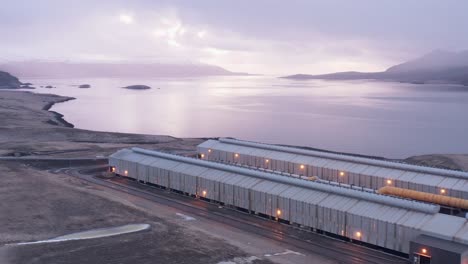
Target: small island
{"x": 137, "y": 87}
{"x": 84, "y": 86}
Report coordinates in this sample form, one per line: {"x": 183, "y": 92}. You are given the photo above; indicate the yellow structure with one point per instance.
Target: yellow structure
{"x": 425, "y": 197}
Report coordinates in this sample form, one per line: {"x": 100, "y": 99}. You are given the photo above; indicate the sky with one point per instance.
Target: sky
{"x": 264, "y": 37}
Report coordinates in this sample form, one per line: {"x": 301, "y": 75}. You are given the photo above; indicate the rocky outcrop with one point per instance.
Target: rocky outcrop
{"x": 8, "y": 81}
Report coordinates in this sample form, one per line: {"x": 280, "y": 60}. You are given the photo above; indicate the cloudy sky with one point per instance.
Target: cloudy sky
{"x": 267, "y": 37}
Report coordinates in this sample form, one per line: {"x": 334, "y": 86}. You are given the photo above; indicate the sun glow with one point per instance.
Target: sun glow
{"x": 126, "y": 19}
{"x": 201, "y": 34}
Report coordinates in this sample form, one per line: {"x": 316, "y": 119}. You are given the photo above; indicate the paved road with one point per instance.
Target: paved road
{"x": 308, "y": 242}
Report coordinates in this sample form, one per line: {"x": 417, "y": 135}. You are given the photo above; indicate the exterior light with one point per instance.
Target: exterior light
{"x": 126, "y": 172}
{"x": 358, "y": 234}
{"x": 204, "y": 193}
{"x": 236, "y": 155}
{"x": 202, "y": 155}
{"x": 267, "y": 160}
{"x": 302, "y": 166}
{"x": 209, "y": 150}
{"x": 342, "y": 173}
{"x": 389, "y": 182}
{"x": 442, "y": 191}
{"x": 113, "y": 169}
{"x": 278, "y": 212}
{"x": 424, "y": 251}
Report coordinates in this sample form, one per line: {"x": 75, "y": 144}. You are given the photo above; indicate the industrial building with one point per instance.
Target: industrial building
{"x": 353, "y": 170}
{"x": 408, "y": 226}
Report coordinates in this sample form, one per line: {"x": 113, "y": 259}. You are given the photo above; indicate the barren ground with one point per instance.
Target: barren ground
{"x": 38, "y": 205}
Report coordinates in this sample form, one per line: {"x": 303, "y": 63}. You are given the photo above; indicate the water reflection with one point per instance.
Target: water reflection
{"x": 375, "y": 118}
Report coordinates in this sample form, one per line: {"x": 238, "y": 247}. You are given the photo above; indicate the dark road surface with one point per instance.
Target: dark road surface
{"x": 308, "y": 242}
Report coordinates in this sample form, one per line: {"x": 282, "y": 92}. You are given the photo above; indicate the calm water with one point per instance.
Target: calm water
{"x": 386, "y": 119}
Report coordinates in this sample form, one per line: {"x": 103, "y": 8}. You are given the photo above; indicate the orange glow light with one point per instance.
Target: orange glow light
{"x": 442, "y": 191}
{"x": 126, "y": 172}
{"x": 209, "y": 150}
{"x": 236, "y": 155}
{"x": 302, "y": 167}
{"x": 389, "y": 182}
{"x": 278, "y": 212}
{"x": 202, "y": 155}
{"x": 267, "y": 160}
{"x": 341, "y": 173}
{"x": 358, "y": 234}
{"x": 204, "y": 193}
{"x": 113, "y": 169}
{"x": 424, "y": 251}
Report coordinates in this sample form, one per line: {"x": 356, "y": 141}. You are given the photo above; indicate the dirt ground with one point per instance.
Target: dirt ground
{"x": 38, "y": 205}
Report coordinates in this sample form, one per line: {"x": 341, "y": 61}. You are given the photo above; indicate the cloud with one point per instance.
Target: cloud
{"x": 270, "y": 37}
{"x": 126, "y": 19}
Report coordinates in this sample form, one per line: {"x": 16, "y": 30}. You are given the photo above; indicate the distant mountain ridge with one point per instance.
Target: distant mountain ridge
{"x": 47, "y": 69}
{"x": 435, "y": 67}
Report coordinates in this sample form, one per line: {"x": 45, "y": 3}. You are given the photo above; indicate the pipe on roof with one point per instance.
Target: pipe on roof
{"x": 342, "y": 157}
{"x": 425, "y": 197}
{"x": 339, "y": 190}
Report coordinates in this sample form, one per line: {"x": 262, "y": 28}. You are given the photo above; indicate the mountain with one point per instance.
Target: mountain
{"x": 436, "y": 60}
{"x": 8, "y": 81}
{"x": 49, "y": 69}
{"x": 435, "y": 67}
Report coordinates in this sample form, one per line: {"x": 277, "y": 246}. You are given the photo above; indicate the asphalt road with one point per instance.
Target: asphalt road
{"x": 309, "y": 242}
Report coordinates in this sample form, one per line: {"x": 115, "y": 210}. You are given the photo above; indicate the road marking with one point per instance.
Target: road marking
{"x": 186, "y": 217}
{"x": 287, "y": 252}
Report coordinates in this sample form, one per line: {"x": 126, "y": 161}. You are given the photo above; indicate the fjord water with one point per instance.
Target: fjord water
{"x": 394, "y": 120}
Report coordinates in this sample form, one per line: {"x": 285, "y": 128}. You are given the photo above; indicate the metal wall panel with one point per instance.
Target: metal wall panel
{"x": 378, "y": 224}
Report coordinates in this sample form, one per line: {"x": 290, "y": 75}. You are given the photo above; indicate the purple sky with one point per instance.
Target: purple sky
{"x": 269, "y": 37}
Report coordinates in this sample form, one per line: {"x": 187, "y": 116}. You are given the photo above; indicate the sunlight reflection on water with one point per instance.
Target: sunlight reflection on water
{"x": 376, "y": 118}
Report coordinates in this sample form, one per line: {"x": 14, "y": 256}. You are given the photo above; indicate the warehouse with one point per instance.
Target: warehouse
{"x": 359, "y": 171}
{"x": 384, "y": 221}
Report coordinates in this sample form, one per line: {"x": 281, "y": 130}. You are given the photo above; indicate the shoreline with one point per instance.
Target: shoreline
{"x": 44, "y": 128}
{"x": 429, "y": 160}
{"x": 59, "y": 116}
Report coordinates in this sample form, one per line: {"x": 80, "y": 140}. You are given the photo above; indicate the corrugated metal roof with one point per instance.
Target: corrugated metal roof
{"x": 348, "y": 158}
{"x": 349, "y": 192}
{"x": 415, "y": 177}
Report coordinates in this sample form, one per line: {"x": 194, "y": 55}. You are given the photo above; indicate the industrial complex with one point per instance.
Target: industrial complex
{"x": 413, "y": 211}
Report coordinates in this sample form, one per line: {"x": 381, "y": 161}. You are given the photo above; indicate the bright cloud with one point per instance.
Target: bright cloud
{"x": 243, "y": 36}
{"x": 126, "y": 19}
{"x": 201, "y": 34}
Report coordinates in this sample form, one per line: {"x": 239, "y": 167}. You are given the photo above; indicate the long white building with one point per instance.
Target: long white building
{"x": 359, "y": 171}
{"x": 388, "y": 222}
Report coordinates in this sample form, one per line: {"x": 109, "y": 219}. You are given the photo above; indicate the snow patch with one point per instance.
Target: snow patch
{"x": 95, "y": 233}
{"x": 240, "y": 260}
